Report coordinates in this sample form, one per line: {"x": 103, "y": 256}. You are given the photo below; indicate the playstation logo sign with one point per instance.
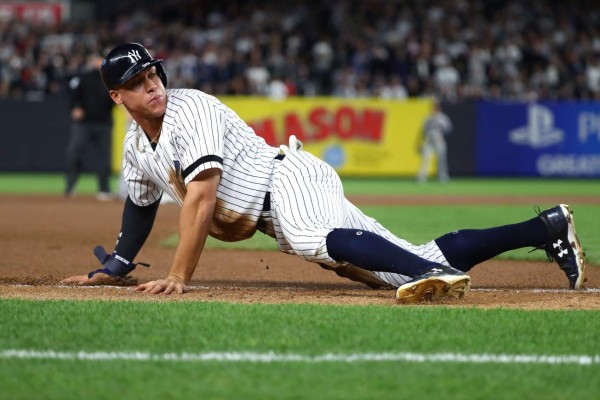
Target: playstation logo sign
{"x": 540, "y": 131}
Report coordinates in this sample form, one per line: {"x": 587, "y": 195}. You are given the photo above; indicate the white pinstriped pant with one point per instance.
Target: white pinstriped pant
{"x": 307, "y": 202}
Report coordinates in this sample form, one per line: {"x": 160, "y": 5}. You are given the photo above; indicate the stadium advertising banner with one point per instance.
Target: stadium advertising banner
{"x": 358, "y": 137}
{"x": 35, "y": 12}
{"x": 548, "y": 139}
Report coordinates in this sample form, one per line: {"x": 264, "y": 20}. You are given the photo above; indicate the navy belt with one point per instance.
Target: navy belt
{"x": 267, "y": 202}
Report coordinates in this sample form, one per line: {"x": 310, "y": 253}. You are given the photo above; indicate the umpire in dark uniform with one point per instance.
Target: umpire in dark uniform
{"x": 91, "y": 126}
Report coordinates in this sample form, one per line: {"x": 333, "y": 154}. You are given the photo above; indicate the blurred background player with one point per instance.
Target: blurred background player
{"x": 433, "y": 142}
{"x": 91, "y": 128}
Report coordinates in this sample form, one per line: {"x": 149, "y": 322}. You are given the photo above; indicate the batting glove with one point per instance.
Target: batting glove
{"x": 114, "y": 264}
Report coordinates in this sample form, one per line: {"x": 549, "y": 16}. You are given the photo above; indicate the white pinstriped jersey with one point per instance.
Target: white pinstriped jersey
{"x": 199, "y": 133}
{"x": 307, "y": 198}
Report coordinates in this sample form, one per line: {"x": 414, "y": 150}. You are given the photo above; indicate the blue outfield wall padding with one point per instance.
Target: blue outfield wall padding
{"x": 545, "y": 139}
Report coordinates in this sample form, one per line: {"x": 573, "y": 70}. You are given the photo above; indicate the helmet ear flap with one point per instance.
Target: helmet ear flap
{"x": 161, "y": 73}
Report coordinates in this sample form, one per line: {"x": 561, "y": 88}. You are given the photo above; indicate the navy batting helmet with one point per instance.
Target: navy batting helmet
{"x": 126, "y": 61}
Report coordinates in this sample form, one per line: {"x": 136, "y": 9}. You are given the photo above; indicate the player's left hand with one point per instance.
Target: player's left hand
{"x": 99, "y": 279}
{"x": 76, "y": 280}
{"x": 171, "y": 284}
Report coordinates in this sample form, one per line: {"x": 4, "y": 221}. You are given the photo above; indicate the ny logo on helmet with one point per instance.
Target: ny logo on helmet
{"x": 134, "y": 56}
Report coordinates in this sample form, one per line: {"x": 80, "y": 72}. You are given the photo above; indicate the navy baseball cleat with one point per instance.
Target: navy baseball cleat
{"x": 435, "y": 283}
{"x": 563, "y": 244}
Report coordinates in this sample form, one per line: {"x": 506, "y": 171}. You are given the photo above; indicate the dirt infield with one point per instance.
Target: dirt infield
{"x": 46, "y": 238}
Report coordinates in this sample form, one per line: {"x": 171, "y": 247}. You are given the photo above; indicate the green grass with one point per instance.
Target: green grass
{"x": 40, "y": 183}
{"x": 475, "y": 186}
{"x": 196, "y": 327}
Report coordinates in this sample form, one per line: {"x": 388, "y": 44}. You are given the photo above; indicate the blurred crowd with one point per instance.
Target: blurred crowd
{"x": 461, "y": 49}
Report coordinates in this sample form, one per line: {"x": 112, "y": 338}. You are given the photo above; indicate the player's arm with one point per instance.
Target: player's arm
{"x": 136, "y": 224}
{"x": 447, "y": 125}
{"x": 195, "y": 218}
{"x": 76, "y": 98}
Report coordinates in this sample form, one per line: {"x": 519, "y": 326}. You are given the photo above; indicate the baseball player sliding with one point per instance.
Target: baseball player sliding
{"x": 230, "y": 184}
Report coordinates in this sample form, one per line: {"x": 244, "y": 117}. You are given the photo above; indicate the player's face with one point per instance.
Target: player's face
{"x": 143, "y": 95}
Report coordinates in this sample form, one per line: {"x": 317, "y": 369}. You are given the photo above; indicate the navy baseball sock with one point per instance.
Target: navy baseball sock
{"x": 466, "y": 248}
{"x": 372, "y": 252}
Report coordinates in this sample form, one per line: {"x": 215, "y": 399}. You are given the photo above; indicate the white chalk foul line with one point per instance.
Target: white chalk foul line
{"x": 272, "y": 357}
{"x": 527, "y": 290}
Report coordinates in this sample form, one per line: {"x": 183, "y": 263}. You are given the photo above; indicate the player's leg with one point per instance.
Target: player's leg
{"x": 414, "y": 258}
{"x": 466, "y": 248}
{"x": 442, "y": 163}
{"x": 426, "y": 154}
{"x": 74, "y": 155}
{"x": 102, "y": 136}
{"x": 424, "y": 273}
{"x": 305, "y": 198}
{"x": 312, "y": 219}
{"x": 552, "y": 230}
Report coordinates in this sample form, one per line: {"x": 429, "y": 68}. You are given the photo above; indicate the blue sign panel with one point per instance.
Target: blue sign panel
{"x": 550, "y": 139}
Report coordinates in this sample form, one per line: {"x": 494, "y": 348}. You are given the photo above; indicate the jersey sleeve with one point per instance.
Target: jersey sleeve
{"x": 200, "y": 136}
{"x": 141, "y": 190}
{"x": 447, "y": 124}
{"x": 76, "y": 92}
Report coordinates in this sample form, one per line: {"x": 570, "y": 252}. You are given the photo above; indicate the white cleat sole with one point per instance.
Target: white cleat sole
{"x": 434, "y": 288}
{"x": 575, "y": 245}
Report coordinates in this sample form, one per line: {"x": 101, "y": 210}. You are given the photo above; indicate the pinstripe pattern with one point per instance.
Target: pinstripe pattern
{"x": 198, "y": 131}
{"x": 308, "y": 202}
{"x": 307, "y": 198}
